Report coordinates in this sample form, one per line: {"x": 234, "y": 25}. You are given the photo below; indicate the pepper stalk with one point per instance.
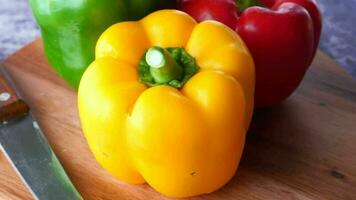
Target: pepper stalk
{"x": 163, "y": 67}
{"x": 243, "y": 4}
{"x": 166, "y": 66}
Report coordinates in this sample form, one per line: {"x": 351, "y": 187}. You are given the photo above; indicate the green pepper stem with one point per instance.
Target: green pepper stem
{"x": 163, "y": 67}
{"x": 166, "y": 66}
{"x": 243, "y": 4}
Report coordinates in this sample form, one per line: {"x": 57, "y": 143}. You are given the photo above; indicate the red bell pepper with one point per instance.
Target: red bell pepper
{"x": 282, "y": 35}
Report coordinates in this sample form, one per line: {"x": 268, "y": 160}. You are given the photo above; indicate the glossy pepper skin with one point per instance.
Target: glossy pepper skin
{"x": 70, "y": 29}
{"x": 283, "y": 37}
{"x": 181, "y": 142}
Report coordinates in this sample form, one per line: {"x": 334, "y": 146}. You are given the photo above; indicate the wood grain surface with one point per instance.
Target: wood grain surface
{"x": 304, "y": 148}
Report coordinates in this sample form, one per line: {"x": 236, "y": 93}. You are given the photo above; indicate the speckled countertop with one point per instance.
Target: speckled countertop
{"x": 17, "y": 28}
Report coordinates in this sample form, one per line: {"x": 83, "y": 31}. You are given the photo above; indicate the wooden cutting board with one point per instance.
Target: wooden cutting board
{"x": 304, "y": 148}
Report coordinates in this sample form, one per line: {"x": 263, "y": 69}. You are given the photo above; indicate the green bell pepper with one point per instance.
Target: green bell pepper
{"x": 70, "y": 28}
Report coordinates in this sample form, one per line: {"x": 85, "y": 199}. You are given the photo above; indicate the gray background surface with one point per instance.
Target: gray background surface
{"x": 17, "y": 28}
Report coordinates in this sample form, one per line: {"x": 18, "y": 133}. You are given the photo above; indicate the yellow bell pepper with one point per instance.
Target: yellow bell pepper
{"x": 182, "y": 137}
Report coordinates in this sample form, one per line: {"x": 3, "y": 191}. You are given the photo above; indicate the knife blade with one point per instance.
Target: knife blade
{"x": 28, "y": 151}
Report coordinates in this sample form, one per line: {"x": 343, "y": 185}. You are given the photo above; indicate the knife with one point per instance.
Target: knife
{"x": 27, "y": 149}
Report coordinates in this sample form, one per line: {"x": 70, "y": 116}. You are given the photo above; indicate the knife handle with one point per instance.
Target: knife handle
{"x": 11, "y": 105}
